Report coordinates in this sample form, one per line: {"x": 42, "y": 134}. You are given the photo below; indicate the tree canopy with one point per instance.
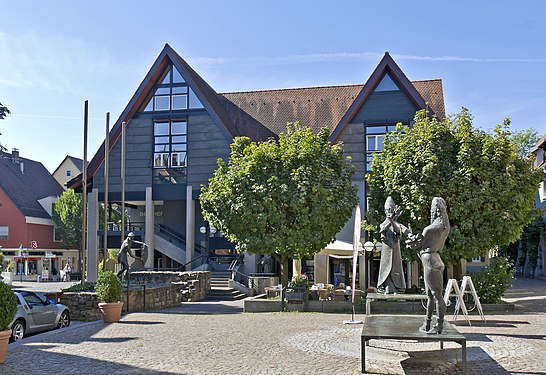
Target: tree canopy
{"x": 489, "y": 190}
{"x": 524, "y": 140}
{"x": 3, "y": 112}
{"x": 287, "y": 198}
{"x": 67, "y": 215}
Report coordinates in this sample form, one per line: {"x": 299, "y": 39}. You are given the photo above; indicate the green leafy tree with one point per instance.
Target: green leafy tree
{"x": 3, "y": 112}
{"x": 287, "y": 198}
{"x": 493, "y": 281}
{"x": 67, "y": 215}
{"x": 524, "y": 140}
{"x": 489, "y": 190}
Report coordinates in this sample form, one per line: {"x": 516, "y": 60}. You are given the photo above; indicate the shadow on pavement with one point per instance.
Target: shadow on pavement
{"x": 491, "y": 323}
{"x": 203, "y": 308}
{"x": 449, "y": 361}
{"x": 139, "y": 322}
{"x": 111, "y": 339}
{"x": 45, "y": 362}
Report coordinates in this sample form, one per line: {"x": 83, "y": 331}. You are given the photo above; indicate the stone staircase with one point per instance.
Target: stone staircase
{"x": 220, "y": 290}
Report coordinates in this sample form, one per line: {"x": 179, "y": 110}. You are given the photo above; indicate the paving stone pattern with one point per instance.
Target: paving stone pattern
{"x": 216, "y": 338}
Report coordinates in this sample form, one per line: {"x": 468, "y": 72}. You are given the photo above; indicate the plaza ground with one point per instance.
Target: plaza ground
{"x": 218, "y": 338}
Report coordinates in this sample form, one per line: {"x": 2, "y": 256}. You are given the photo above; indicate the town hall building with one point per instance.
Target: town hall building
{"x": 176, "y": 126}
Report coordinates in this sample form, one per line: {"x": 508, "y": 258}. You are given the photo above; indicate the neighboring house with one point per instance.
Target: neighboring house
{"x": 27, "y": 235}
{"x": 539, "y": 152}
{"x": 69, "y": 168}
{"x": 177, "y": 127}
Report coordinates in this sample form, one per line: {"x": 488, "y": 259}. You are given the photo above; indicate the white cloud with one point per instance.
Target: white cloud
{"x": 54, "y": 64}
{"x": 343, "y": 57}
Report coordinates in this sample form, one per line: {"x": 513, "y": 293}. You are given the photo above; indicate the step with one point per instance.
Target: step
{"x": 225, "y": 293}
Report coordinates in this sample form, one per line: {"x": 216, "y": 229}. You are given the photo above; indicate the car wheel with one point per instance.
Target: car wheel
{"x": 17, "y": 330}
{"x": 64, "y": 320}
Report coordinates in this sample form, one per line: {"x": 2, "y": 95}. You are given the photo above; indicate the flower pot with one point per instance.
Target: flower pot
{"x": 4, "y": 341}
{"x": 8, "y": 277}
{"x": 111, "y": 312}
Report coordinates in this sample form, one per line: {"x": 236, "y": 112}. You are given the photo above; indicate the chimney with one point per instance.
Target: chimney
{"x": 15, "y": 155}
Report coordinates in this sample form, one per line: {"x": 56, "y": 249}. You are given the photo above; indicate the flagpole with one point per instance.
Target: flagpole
{"x": 356, "y": 246}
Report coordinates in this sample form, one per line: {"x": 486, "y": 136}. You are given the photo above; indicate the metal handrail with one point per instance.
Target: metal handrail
{"x": 237, "y": 261}
{"x": 163, "y": 229}
{"x": 247, "y": 280}
{"x": 185, "y": 265}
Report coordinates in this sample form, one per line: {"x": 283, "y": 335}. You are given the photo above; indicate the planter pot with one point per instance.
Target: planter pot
{"x": 111, "y": 312}
{"x": 4, "y": 341}
{"x": 294, "y": 296}
{"x": 8, "y": 277}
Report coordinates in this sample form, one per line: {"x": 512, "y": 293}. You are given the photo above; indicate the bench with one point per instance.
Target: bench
{"x": 390, "y": 297}
{"x": 406, "y": 327}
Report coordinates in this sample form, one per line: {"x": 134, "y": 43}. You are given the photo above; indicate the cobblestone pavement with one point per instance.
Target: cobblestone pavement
{"x": 216, "y": 338}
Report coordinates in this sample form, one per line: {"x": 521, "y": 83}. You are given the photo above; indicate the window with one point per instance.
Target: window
{"x": 68, "y": 173}
{"x": 4, "y": 232}
{"x": 375, "y": 143}
{"x": 170, "y": 151}
{"x": 375, "y": 135}
{"x": 173, "y": 94}
{"x": 387, "y": 84}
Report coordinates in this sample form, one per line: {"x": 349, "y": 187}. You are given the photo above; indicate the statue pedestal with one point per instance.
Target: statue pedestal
{"x": 406, "y": 327}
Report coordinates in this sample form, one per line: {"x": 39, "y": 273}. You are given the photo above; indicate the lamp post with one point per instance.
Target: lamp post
{"x": 208, "y": 231}
{"x": 369, "y": 248}
{"x": 23, "y": 254}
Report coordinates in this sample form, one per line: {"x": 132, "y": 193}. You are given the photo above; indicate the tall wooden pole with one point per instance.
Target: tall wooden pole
{"x": 84, "y": 192}
{"x": 122, "y": 181}
{"x": 106, "y": 155}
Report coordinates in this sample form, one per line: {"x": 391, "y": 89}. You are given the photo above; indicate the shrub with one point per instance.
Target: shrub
{"x": 8, "y": 306}
{"x": 299, "y": 281}
{"x": 109, "y": 287}
{"x": 86, "y": 287}
{"x": 493, "y": 281}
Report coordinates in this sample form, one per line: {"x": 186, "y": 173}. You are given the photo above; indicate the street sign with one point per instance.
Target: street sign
{"x": 33, "y": 244}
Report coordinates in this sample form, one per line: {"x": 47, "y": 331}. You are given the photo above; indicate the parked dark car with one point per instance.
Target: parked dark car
{"x": 35, "y": 314}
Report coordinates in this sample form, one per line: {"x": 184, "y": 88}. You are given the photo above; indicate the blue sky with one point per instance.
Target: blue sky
{"x": 54, "y": 55}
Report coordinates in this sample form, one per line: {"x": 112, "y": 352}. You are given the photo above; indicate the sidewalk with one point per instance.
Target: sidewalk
{"x": 215, "y": 338}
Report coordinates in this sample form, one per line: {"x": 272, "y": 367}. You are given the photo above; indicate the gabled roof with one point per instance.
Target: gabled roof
{"x": 316, "y": 107}
{"x": 386, "y": 65}
{"x": 540, "y": 144}
{"x": 261, "y": 115}
{"x": 25, "y": 189}
{"x": 77, "y": 162}
{"x": 230, "y": 120}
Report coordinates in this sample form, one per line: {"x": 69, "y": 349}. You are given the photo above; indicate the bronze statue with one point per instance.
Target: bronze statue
{"x": 124, "y": 250}
{"x": 430, "y": 245}
{"x": 391, "y": 274}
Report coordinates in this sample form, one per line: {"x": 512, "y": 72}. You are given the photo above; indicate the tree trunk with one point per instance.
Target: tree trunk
{"x": 284, "y": 271}
{"x": 457, "y": 271}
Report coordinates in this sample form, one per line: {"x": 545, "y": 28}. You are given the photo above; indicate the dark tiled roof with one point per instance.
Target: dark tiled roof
{"x": 236, "y": 123}
{"x": 264, "y": 114}
{"x": 25, "y": 189}
{"x": 433, "y": 93}
{"x": 316, "y": 107}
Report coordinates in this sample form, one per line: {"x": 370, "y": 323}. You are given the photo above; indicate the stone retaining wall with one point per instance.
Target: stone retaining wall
{"x": 157, "y": 289}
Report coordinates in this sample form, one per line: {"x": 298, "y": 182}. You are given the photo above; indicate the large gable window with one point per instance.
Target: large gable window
{"x": 170, "y": 151}
{"x": 173, "y": 94}
{"x": 387, "y": 84}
